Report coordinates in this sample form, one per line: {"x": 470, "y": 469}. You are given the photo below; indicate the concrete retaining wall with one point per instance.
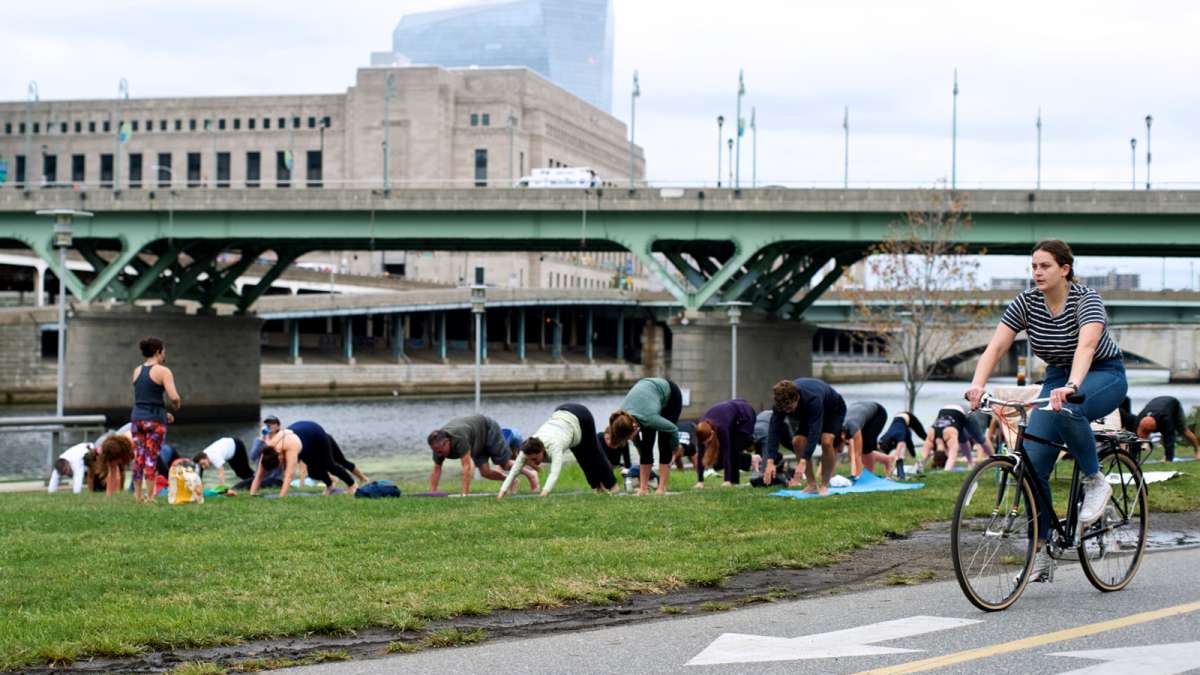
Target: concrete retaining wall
{"x": 24, "y": 375}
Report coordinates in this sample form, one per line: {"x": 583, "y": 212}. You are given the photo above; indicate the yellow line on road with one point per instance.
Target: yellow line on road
{"x": 1037, "y": 640}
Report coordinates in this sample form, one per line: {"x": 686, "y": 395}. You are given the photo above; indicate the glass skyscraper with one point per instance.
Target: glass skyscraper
{"x": 569, "y": 42}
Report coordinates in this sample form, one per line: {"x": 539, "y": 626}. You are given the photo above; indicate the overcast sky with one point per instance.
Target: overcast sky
{"x": 1095, "y": 69}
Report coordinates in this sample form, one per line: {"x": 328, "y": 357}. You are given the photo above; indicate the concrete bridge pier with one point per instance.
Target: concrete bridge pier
{"x": 216, "y": 361}
{"x": 768, "y": 351}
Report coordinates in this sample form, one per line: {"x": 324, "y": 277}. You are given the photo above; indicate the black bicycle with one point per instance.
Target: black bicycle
{"x": 995, "y": 529}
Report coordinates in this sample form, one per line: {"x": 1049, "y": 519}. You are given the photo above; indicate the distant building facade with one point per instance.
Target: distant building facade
{"x": 1112, "y": 281}
{"x": 570, "y": 42}
{"x": 444, "y": 128}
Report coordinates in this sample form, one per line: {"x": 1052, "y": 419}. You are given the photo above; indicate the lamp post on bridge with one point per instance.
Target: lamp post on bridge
{"x": 720, "y": 126}
{"x": 1149, "y": 120}
{"x": 31, "y": 98}
{"x": 122, "y": 94}
{"x": 387, "y": 128}
{"x": 954, "y": 136}
{"x": 170, "y": 198}
{"x": 511, "y": 123}
{"x": 741, "y": 129}
{"x": 63, "y": 235}
{"x": 731, "y": 183}
{"x": 1133, "y": 163}
{"x": 637, "y": 92}
{"x": 478, "y": 301}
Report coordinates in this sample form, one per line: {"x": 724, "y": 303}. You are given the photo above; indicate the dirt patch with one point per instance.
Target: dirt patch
{"x": 919, "y": 557}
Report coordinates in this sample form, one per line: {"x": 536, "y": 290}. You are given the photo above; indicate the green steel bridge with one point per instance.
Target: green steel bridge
{"x": 768, "y": 247}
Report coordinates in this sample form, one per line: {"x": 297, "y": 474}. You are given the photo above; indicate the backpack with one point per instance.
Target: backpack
{"x": 183, "y": 483}
{"x": 378, "y": 489}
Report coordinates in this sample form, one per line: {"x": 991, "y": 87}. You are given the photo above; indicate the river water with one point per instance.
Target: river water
{"x": 389, "y": 433}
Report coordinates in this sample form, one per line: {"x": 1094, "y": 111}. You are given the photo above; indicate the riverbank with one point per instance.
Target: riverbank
{"x": 415, "y": 572}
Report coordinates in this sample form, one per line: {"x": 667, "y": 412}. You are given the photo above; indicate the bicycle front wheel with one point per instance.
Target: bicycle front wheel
{"x": 1111, "y": 549}
{"x": 993, "y": 533}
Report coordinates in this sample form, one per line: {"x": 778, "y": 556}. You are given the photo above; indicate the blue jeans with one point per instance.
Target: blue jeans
{"x": 1104, "y": 388}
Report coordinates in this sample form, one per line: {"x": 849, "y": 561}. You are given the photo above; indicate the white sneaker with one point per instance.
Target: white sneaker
{"x": 1042, "y": 571}
{"x": 1096, "y": 492}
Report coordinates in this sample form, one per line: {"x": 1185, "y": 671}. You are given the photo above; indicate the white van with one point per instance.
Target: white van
{"x": 566, "y": 177}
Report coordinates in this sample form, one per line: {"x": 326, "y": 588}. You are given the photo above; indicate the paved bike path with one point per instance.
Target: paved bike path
{"x": 1151, "y": 626}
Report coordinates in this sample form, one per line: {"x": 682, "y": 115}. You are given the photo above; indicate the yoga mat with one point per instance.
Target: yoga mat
{"x": 867, "y": 482}
{"x": 1148, "y": 476}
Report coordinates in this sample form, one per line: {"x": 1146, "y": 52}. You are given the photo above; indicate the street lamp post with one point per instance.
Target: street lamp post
{"x": 122, "y": 93}
{"x": 731, "y": 163}
{"x": 31, "y": 98}
{"x": 735, "y": 313}
{"x": 720, "y": 125}
{"x": 737, "y": 182}
{"x": 387, "y": 128}
{"x": 1133, "y": 163}
{"x": 1149, "y": 120}
{"x": 478, "y": 300}
{"x": 63, "y": 219}
{"x": 846, "y": 159}
{"x": 637, "y": 92}
{"x": 954, "y": 136}
{"x": 512, "y": 127}
{"x": 1039, "y": 149}
{"x": 170, "y": 200}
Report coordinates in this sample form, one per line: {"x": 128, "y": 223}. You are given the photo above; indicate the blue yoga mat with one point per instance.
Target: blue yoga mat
{"x": 867, "y": 482}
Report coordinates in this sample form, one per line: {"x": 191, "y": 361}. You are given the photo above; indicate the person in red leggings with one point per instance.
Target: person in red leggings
{"x": 149, "y": 418}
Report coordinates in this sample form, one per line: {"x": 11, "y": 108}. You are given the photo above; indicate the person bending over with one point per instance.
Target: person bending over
{"x": 723, "y": 434}
{"x": 571, "y": 427}
{"x": 860, "y": 431}
{"x": 816, "y": 412}
{"x": 1164, "y": 414}
{"x": 228, "y": 450}
{"x": 650, "y": 412}
{"x": 945, "y": 437}
{"x": 301, "y": 442}
{"x": 476, "y": 441}
{"x": 897, "y": 440}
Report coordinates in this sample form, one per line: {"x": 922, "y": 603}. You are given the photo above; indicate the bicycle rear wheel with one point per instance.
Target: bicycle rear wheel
{"x": 993, "y": 533}
{"x": 1111, "y": 549}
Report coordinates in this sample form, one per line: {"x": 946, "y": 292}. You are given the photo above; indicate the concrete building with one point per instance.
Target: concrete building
{"x": 395, "y": 128}
{"x": 570, "y": 42}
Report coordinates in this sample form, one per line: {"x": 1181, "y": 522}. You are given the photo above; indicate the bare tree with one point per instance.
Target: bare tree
{"x": 921, "y": 299}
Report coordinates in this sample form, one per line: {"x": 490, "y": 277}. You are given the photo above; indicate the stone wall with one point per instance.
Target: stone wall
{"x": 768, "y": 351}
{"x": 24, "y": 375}
{"x": 215, "y": 360}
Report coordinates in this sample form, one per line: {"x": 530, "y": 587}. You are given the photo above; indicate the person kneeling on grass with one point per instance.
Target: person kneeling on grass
{"x": 302, "y": 442}
{"x": 723, "y": 434}
{"x": 573, "y": 428}
{"x": 476, "y": 441}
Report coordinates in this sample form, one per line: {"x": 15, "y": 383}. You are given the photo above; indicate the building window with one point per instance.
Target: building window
{"x": 178, "y": 125}
{"x": 49, "y": 170}
{"x": 162, "y": 125}
{"x": 487, "y": 120}
{"x": 253, "y": 165}
{"x": 266, "y": 123}
{"x": 134, "y": 125}
{"x": 37, "y": 127}
{"x": 78, "y": 169}
{"x": 474, "y": 119}
{"x": 481, "y": 167}
{"x": 237, "y": 123}
{"x": 193, "y": 169}
{"x": 106, "y": 127}
{"x": 222, "y": 169}
{"x": 21, "y": 128}
{"x": 250, "y": 123}
{"x": 91, "y": 127}
{"x": 135, "y": 169}
{"x": 62, "y": 128}
{"x": 295, "y": 122}
{"x": 164, "y": 169}
{"x": 282, "y": 124}
{"x": 283, "y": 172}
{"x": 221, "y": 124}
{"x": 327, "y": 121}
{"x": 312, "y": 123}
{"x": 106, "y": 170}
{"x": 314, "y": 169}
{"x": 20, "y": 183}
{"x": 79, "y": 127}
{"x": 191, "y": 125}
{"x": 8, "y": 128}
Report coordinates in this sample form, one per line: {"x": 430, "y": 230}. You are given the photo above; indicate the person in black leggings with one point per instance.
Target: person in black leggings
{"x": 571, "y": 427}
{"x": 948, "y": 429}
{"x": 303, "y": 442}
{"x": 898, "y": 438}
{"x": 1164, "y": 414}
{"x": 649, "y": 413}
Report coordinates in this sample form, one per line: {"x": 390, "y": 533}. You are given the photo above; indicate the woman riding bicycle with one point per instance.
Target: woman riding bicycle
{"x": 1065, "y": 324}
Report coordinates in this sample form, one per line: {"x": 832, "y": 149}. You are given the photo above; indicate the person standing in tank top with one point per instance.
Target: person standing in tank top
{"x": 149, "y": 418}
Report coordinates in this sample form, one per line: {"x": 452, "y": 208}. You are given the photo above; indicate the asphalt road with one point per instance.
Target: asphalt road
{"x": 1153, "y": 626}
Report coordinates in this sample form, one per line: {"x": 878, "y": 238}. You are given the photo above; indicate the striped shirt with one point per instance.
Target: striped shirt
{"x": 1054, "y": 338}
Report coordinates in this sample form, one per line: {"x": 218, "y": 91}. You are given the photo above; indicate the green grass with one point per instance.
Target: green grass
{"x": 88, "y": 576}
{"x": 453, "y": 637}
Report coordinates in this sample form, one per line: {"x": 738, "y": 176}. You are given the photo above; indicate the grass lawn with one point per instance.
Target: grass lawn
{"x": 92, "y": 576}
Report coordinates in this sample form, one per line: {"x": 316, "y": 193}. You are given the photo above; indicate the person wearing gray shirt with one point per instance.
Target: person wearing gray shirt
{"x": 477, "y": 442}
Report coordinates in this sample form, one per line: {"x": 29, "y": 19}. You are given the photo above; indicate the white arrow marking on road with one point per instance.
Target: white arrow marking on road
{"x": 742, "y": 648}
{"x": 1178, "y": 657}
